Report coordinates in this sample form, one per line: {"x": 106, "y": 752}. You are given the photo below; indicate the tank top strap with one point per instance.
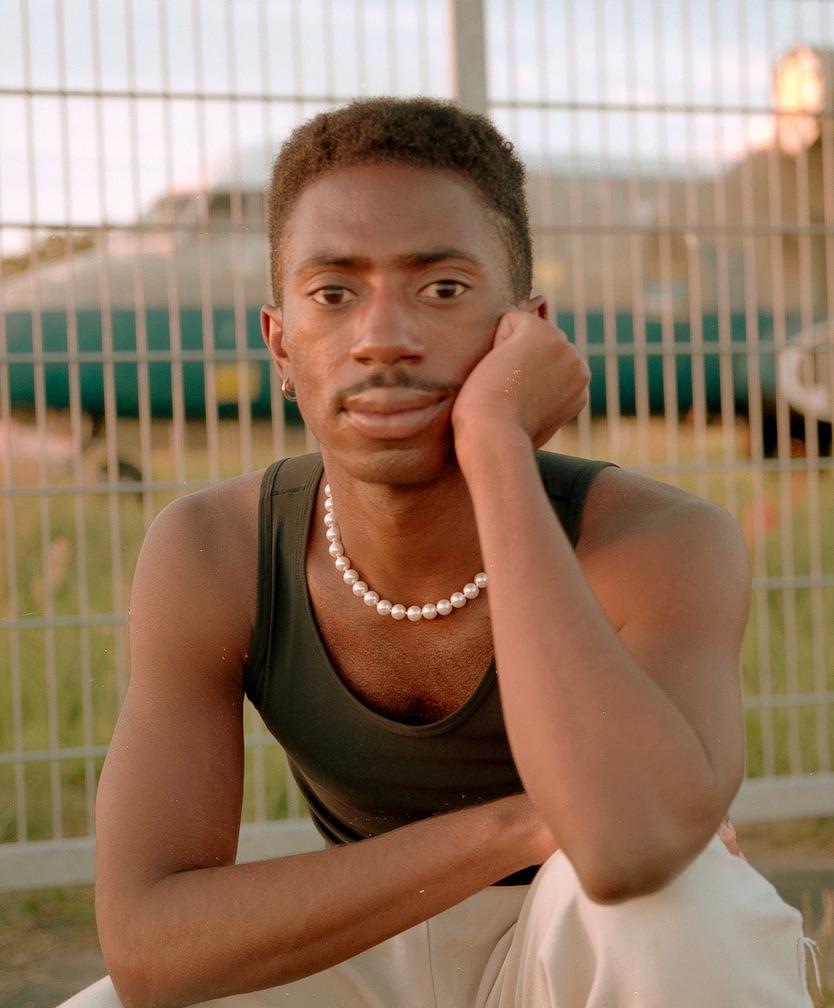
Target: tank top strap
{"x": 566, "y": 480}
{"x": 286, "y": 495}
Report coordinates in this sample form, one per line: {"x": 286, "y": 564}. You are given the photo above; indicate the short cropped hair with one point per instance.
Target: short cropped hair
{"x": 415, "y": 131}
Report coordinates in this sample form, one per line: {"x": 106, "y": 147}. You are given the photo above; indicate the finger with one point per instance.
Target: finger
{"x": 506, "y": 324}
{"x": 728, "y": 836}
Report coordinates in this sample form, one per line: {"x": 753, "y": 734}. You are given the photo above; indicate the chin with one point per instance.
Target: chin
{"x": 396, "y": 466}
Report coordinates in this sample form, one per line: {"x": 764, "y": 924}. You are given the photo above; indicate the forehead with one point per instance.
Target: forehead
{"x": 390, "y": 211}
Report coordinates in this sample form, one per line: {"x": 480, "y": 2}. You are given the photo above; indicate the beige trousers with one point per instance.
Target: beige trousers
{"x": 718, "y": 936}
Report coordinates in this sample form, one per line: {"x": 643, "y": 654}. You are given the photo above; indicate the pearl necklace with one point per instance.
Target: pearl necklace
{"x": 397, "y": 611}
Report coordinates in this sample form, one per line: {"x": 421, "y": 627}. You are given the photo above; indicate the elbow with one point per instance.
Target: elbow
{"x": 614, "y": 876}
{"x": 141, "y": 989}
{"x": 135, "y": 982}
{"x": 136, "y": 970}
{"x": 638, "y": 877}
{"x": 130, "y": 982}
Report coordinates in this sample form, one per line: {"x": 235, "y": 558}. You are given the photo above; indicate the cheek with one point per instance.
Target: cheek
{"x": 483, "y": 326}
{"x": 305, "y": 346}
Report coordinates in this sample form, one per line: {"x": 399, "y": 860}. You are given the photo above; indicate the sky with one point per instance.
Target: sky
{"x": 104, "y": 104}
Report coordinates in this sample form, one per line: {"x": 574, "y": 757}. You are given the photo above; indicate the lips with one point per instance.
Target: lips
{"x": 393, "y": 413}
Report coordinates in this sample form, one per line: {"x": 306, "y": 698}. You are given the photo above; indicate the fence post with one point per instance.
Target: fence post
{"x": 468, "y": 43}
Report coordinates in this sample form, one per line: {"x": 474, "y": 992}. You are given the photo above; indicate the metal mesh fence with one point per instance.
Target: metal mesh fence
{"x": 680, "y": 158}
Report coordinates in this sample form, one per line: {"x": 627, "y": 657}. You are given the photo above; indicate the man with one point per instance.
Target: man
{"x": 358, "y": 599}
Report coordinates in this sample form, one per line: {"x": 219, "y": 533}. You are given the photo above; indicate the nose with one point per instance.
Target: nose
{"x": 386, "y": 334}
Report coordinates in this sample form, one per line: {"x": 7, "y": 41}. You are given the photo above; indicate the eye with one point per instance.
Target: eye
{"x": 332, "y": 295}
{"x": 444, "y": 290}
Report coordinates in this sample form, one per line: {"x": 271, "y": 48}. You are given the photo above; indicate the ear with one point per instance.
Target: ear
{"x": 272, "y": 330}
{"x": 536, "y": 305}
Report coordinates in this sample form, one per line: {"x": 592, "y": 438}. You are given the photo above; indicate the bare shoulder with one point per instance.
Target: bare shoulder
{"x": 198, "y": 563}
{"x": 226, "y": 509}
{"x": 643, "y": 540}
{"x": 216, "y": 527}
{"x": 623, "y": 504}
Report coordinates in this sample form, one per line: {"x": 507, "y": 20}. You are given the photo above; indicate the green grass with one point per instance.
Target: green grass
{"x": 789, "y": 645}
{"x": 70, "y": 537}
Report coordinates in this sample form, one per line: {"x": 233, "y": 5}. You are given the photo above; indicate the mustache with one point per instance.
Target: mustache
{"x": 396, "y": 378}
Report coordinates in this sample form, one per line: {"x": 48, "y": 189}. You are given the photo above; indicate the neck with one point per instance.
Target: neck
{"x": 414, "y": 541}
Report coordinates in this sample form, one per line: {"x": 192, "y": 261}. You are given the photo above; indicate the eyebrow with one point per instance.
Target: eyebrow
{"x": 411, "y": 260}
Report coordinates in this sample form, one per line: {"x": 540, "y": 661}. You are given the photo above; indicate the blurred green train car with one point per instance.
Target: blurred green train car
{"x": 684, "y": 291}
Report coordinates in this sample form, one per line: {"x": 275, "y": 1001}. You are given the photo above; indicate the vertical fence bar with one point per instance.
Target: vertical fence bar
{"x": 827, "y": 167}
{"x": 56, "y": 807}
{"x": 788, "y": 573}
{"x": 723, "y": 262}
{"x": 636, "y": 253}
{"x": 277, "y": 424}
{"x": 275, "y": 397}
{"x": 11, "y": 560}
{"x": 808, "y": 299}
{"x": 758, "y": 533}
{"x": 607, "y": 290}
{"x": 545, "y": 203}
{"x": 244, "y": 392}
{"x": 778, "y": 315}
{"x": 391, "y": 46}
{"x": 575, "y": 220}
{"x": 139, "y": 294}
{"x": 693, "y": 241}
{"x": 667, "y": 307}
{"x": 361, "y": 51}
{"x": 423, "y": 47}
{"x": 792, "y": 480}
{"x": 204, "y": 252}
{"x": 177, "y": 429}
{"x": 114, "y": 520}
{"x": 511, "y": 37}
{"x": 468, "y": 55}
{"x": 79, "y": 509}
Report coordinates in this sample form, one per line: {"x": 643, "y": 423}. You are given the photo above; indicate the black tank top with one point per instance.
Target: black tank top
{"x": 360, "y": 772}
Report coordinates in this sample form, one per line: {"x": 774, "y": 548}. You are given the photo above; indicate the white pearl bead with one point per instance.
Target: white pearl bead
{"x": 415, "y": 613}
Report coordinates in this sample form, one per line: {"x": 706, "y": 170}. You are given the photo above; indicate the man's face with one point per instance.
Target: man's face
{"x": 394, "y": 278}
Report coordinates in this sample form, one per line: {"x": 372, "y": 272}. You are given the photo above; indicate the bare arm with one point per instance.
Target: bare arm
{"x": 622, "y": 701}
{"x": 180, "y": 922}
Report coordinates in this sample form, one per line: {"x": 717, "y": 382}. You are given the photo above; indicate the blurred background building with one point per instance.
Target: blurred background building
{"x": 681, "y": 181}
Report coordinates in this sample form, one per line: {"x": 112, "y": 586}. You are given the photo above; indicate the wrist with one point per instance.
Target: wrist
{"x": 523, "y": 832}
{"x": 486, "y": 439}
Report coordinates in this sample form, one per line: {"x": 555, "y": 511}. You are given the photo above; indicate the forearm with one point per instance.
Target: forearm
{"x": 211, "y": 932}
{"x": 604, "y": 754}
